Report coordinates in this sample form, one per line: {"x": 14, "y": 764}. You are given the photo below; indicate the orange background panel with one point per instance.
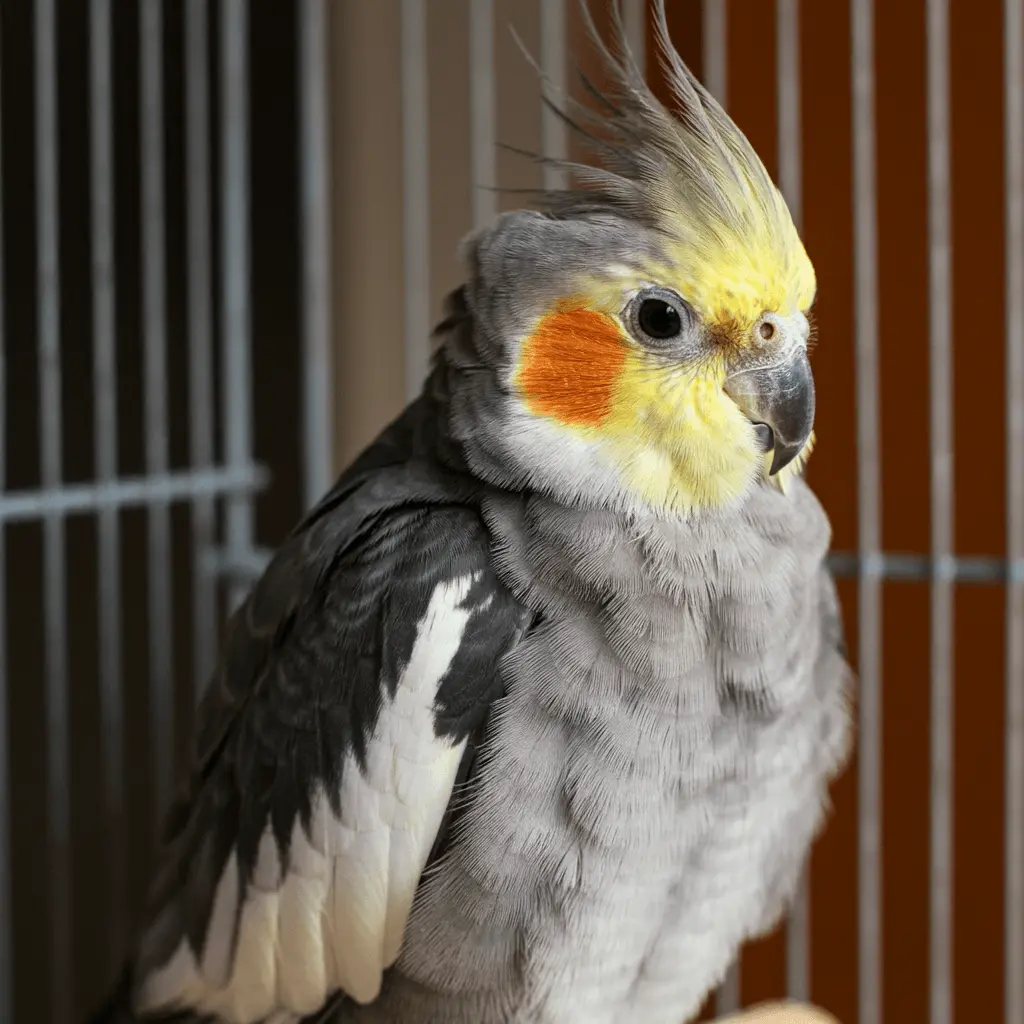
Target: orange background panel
{"x": 979, "y": 414}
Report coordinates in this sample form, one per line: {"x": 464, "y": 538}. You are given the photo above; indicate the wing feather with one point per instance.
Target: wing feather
{"x": 330, "y": 742}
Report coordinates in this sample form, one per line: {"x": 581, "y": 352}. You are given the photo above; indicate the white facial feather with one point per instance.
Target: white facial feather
{"x": 337, "y": 916}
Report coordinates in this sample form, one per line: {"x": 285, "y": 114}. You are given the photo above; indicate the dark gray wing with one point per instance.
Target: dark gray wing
{"x": 349, "y": 687}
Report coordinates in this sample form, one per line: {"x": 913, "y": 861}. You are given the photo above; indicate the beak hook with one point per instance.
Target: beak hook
{"x": 779, "y": 400}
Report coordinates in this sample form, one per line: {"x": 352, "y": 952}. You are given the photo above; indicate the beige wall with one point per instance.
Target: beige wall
{"x": 367, "y": 236}
{"x": 367, "y": 152}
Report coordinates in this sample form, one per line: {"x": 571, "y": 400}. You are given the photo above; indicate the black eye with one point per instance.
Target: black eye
{"x": 657, "y": 315}
{"x": 657, "y": 319}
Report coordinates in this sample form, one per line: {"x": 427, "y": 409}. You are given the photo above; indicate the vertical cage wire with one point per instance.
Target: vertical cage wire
{"x": 54, "y": 566}
{"x": 553, "y": 54}
{"x": 940, "y": 292}
{"x": 634, "y": 17}
{"x": 415, "y": 193}
{"x": 105, "y": 450}
{"x": 1013, "y": 88}
{"x": 203, "y": 510}
{"x": 715, "y": 49}
{"x": 6, "y": 889}
{"x": 154, "y": 306}
{"x": 482, "y": 115}
{"x": 790, "y": 156}
{"x": 869, "y": 518}
{"x": 236, "y": 397}
{"x": 318, "y": 373}
{"x": 790, "y": 137}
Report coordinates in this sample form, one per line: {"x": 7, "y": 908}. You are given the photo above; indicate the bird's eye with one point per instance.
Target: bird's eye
{"x": 658, "y": 315}
{"x": 659, "y": 320}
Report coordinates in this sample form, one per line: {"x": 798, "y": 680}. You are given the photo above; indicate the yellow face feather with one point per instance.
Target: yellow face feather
{"x": 737, "y": 285}
{"x": 731, "y": 249}
{"x": 678, "y": 441}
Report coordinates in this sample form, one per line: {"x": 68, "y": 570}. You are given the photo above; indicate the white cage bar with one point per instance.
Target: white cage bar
{"x": 1013, "y": 112}
{"x": 154, "y": 302}
{"x": 483, "y": 144}
{"x": 6, "y": 888}
{"x": 634, "y": 20}
{"x": 108, "y": 592}
{"x": 236, "y": 336}
{"x": 314, "y": 172}
{"x": 941, "y": 497}
{"x": 869, "y": 542}
{"x": 415, "y": 193}
{"x": 554, "y": 134}
{"x": 54, "y": 559}
{"x": 200, "y": 332}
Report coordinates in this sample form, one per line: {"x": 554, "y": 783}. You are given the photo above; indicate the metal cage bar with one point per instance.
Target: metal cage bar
{"x": 54, "y": 565}
{"x": 941, "y": 443}
{"x": 105, "y": 445}
{"x": 19, "y": 506}
{"x": 787, "y": 102}
{"x": 714, "y": 42}
{"x": 314, "y": 174}
{"x": 1013, "y": 100}
{"x": 415, "y": 194}
{"x": 6, "y": 888}
{"x": 482, "y": 112}
{"x": 236, "y": 337}
{"x": 869, "y": 525}
{"x": 203, "y": 511}
{"x": 922, "y": 568}
{"x": 634, "y": 18}
{"x": 790, "y": 155}
{"x": 553, "y": 61}
{"x": 154, "y": 305}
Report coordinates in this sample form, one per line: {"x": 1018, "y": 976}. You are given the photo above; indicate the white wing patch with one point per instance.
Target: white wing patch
{"x": 336, "y": 917}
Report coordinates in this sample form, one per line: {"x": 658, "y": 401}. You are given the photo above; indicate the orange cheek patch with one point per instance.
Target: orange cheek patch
{"x": 569, "y": 366}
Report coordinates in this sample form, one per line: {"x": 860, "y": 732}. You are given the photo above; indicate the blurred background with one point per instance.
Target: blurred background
{"x": 228, "y": 228}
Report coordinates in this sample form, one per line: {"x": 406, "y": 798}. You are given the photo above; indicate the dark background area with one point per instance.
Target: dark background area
{"x": 276, "y": 366}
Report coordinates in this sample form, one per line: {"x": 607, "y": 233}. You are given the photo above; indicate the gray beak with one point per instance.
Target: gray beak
{"x": 780, "y": 400}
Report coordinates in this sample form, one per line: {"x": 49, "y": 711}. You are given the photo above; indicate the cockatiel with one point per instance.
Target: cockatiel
{"x": 532, "y": 718}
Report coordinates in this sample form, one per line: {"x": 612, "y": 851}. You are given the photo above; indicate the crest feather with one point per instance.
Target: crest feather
{"x": 690, "y": 174}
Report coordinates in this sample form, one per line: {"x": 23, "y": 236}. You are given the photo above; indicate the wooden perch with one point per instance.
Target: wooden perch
{"x": 781, "y": 1013}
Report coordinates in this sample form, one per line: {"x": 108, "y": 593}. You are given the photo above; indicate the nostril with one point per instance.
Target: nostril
{"x": 765, "y": 435}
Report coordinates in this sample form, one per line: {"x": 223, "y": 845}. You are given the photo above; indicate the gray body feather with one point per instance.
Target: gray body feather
{"x": 650, "y": 773}
{"x": 652, "y": 780}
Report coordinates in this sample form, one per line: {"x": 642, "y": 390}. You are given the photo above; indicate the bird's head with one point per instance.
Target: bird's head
{"x": 648, "y": 329}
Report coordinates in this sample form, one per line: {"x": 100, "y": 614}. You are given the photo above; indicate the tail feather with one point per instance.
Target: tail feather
{"x": 117, "y": 1008}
